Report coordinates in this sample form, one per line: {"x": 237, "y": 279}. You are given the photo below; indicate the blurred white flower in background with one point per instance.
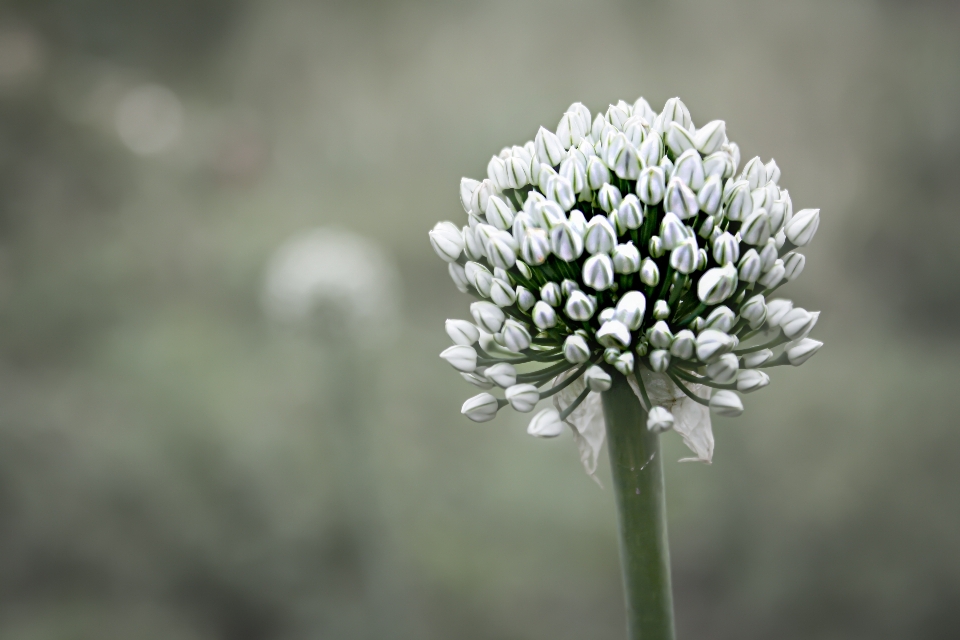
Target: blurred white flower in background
{"x": 333, "y": 268}
{"x": 149, "y": 119}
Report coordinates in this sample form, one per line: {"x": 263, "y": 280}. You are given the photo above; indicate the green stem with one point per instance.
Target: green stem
{"x": 636, "y": 467}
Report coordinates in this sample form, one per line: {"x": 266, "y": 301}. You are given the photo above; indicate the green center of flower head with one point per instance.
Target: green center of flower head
{"x": 622, "y": 243}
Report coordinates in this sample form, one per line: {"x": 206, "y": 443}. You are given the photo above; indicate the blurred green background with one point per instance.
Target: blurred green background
{"x": 174, "y": 463}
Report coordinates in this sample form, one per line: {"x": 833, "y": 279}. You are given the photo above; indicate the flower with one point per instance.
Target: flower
{"x": 626, "y": 245}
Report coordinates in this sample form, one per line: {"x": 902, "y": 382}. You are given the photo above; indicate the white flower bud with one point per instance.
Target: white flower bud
{"x": 773, "y": 171}
{"x": 797, "y": 323}
{"x": 780, "y": 239}
{"x": 467, "y": 187}
{"x": 577, "y": 222}
{"x": 722, "y": 370}
{"x": 651, "y": 150}
{"x": 502, "y": 251}
{"x": 756, "y": 228}
{"x": 551, "y": 294}
{"x": 642, "y": 347}
{"x": 793, "y": 265}
{"x": 462, "y": 332}
{"x": 711, "y": 344}
{"x": 497, "y": 172}
{"x": 802, "y": 227}
{"x": 685, "y": 258}
{"x": 478, "y": 199}
{"x": 523, "y": 397}
{"x": 502, "y": 374}
{"x": 750, "y": 266}
{"x": 544, "y": 317}
{"x": 776, "y": 310}
{"x": 651, "y": 185}
{"x": 684, "y": 345}
{"x": 575, "y": 349}
{"x": 549, "y": 148}
{"x": 561, "y": 191}
{"x": 502, "y": 293}
{"x": 631, "y": 309}
{"x": 710, "y": 195}
{"x": 802, "y": 350}
{"x": 447, "y": 241}
{"x": 656, "y": 248}
{"x": 765, "y": 196}
{"x": 481, "y": 408}
{"x": 721, "y": 319}
{"x": 659, "y": 420}
{"x": 600, "y": 237}
{"x": 697, "y": 324}
{"x": 598, "y": 271}
{"x": 718, "y": 164}
{"x": 476, "y": 380}
{"x": 624, "y": 363}
{"x": 547, "y": 214}
{"x": 607, "y": 314}
{"x": 777, "y": 212}
{"x": 458, "y": 276}
{"x": 726, "y": 403}
{"x": 498, "y": 213}
{"x": 571, "y": 128}
{"x": 680, "y": 199}
{"x": 580, "y": 307}
{"x": 672, "y": 231}
{"x": 630, "y": 212}
{"x": 597, "y": 173}
{"x": 749, "y": 380}
{"x": 711, "y": 137}
{"x": 461, "y": 357}
{"x": 659, "y": 360}
{"x": 768, "y": 255}
{"x": 773, "y": 277}
{"x": 518, "y": 172}
{"x": 597, "y": 379}
{"x": 567, "y": 287}
{"x": 649, "y": 273}
{"x": 617, "y": 116}
{"x": 479, "y": 277}
{"x": 755, "y": 359}
{"x": 636, "y": 130}
{"x": 536, "y": 247}
{"x": 678, "y": 139}
{"x": 739, "y": 204}
{"x": 675, "y": 111}
{"x": 515, "y": 335}
{"x": 754, "y": 311}
{"x": 521, "y": 222}
{"x": 609, "y": 197}
{"x": 599, "y": 124}
{"x": 575, "y": 173}
{"x": 755, "y": 173}
{"x": 546, "y": 424}
{"x": 615, "y": 334}
{"x": 726, "y": 249}
{"x": 661, "y": 310}
{"x": 583, "y": 113}
{"x": 660, "y": 336}
{"x": 626, "y": 258}
{"x": 689, "y": 169}
{"x": 542, "y": 172}
{"x": 623, "y": 159}
{"x": 583, "y": 152}
{"x": 487, "y": 315}
{"x": 717, "y": 284}
{"x": 565, "y": 242}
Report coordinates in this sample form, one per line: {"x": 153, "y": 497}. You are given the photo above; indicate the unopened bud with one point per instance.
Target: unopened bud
{"x": 498, "y": 213}
{"x": 551, "y": 294}
{"x": 522, "y": 397}
{"x": 717, "y": 284}
{"x": 502, "y": 250}
{"x": 660, "y": 336}
{"x": 447, "y": 241}
{"x": 461, "y": 357}
{"x": 459, "y": 277}
{"x": 739, "y": 203}
{"x": 689, "y": 169}
{"x": 624, "y": 363}
{"x": 710, "y": 195}
{"x": 678, "y": 138}
{"x": 755, "y": 173}
{"x": 773, "y": 277}
{"x": 626, "y": 258}
{"x": 802, "y": 350}
{"x": 575, "y": 173}
{"x": 525, "y": 298}
{"x": 659, "y": 360}
{"x": 544, "y": 317}
{"x": 497, "y": 172}
{"x": 756, "y": 228}
{"x": 515, "y": 335}
{"x": 651, "y": 150}
{"x": 479, "y": 277}
{"x": 711, "y": 137}
{"x": 721, "y": 319}
{"x": 606, "y": 314}
{"x": 793, "y": 265}
{"x": 659, "y": 420}
{"x": 623, "y": 159}
{"x": 598, "y": 272}
{"x": 565, "y": 242}
{"x": 718, "y": 164}
{"x": 672, "y": 231}
{"x": 712, "y": 344}
{"x": 560, "y": 190}
{"x": 749, "y": 380}
{"x": 610, "y": 355}
{"x": 797, "y": 323}
{"x": 726, "y": 249}
{"x": 549, "y": 147}
{"x": 661, "y": 310}
{"x": 478, "y": 199}
{"x": 476, "y": 380}
{"x": 462, "y": 332}
{"x": 726, "y": 403}
{"x": 546, "y": 424}
{"x": 600, "y": 236}
{"x": 802, "y": 227}
{"x": 467, "y": 187}
{"x": 754, "y": 311}
{"x": 680, "y": 199}
{"x": 685, "y": 258}
{"x": 776, "y": 310}
{"x": 597, "y": 173}
{"x": 655, "y": 247}
{"x": 684, "y": 345}
{"x": 502, "y": 374}
{"x": 575, "y": 349}
{"x": 614, "y": 333}
{"x": 597, "y": 379}
{"x": 535, "y": 248}
{"x": 481, "y": 408}
{"x": 518, "y": 172}
{"x": 631, "y": 309}
{"x": 750, "y": 266}
{"x": 768, "y": 255}
{"x": 609, "y": 197}
{"x": 649, "y": 272}
{"x": 571, "y": 129}
{"x": 487, "y": 315}
{"x": 723, "y": 369}
{"x": 580, "y": 307}
{"x": 755, "y": 359}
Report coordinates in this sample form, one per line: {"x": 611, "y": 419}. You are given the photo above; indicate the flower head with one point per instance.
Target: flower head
{"x": 626, "y": 245}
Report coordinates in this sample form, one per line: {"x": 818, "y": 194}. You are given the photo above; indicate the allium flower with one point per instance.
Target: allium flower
{"x": 626, "y": 245}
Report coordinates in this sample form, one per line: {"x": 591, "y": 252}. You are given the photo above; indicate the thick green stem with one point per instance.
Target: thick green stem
{"x": 636, "y": 466}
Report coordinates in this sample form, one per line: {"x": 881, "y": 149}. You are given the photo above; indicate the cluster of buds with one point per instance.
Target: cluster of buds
{"x": 625, "y": 241}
